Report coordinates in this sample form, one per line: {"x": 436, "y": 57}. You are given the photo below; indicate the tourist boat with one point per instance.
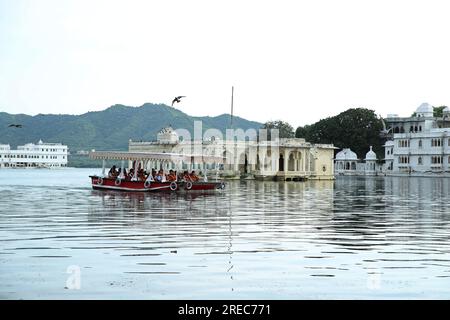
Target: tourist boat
{"x": 143, "y": 159}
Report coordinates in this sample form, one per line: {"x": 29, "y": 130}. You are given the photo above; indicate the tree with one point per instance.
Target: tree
{"x": 302, "y": 132}
{"x": 285, "y": 130}
{"x": 357, "y": 129}
{"x": 438, "y": 111}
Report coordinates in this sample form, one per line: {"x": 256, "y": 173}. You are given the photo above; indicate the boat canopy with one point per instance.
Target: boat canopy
{"x": 154, "y": 156}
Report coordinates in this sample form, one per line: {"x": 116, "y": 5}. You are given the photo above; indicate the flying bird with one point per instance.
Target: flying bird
{"x": 385, "y": 131}
{"x": 177, "y": 99}
{"x": 15, "y": 125}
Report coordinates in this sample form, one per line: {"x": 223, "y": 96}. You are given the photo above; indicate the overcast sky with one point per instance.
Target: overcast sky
{"x": 297, "y": 61}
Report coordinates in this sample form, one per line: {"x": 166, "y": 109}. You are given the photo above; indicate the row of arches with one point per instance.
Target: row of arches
{"x": 294, "y": 162}
{"x": 401, "y": 129}
{"x": 349, "y": 165}
{"x": 345, "y": 165}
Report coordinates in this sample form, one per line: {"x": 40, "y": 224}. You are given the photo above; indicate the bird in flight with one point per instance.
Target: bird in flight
{"x": 15, "y": 125}
{"x": 177, "y": 99}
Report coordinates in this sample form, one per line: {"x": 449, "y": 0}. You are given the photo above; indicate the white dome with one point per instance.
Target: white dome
{"x": 389, "y": 143}
{"x": 446, "y": 110}
{"x": 425, "y": 109}
{"x": 346, "y": 154}
{"x": 371, "y": 155}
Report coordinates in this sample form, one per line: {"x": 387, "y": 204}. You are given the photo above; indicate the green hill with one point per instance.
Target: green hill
{"x": 109, "y": 129}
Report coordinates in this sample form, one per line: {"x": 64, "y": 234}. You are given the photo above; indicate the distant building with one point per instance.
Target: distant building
{"x": 42, "y": 154}
{"x": 419, "y": 144}
{"x": 347, "y": 163}
{"x": 282, "y": 159}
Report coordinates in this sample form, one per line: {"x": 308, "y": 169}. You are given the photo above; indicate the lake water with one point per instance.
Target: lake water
{"x": 353, "y": 238}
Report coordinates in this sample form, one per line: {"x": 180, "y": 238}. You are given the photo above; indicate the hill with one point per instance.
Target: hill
{"x": 109, "y": 129}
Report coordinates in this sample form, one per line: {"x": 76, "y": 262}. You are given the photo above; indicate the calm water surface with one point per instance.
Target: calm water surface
{"x": 353, "y": 238}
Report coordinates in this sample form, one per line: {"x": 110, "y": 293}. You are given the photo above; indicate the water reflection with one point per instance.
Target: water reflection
{"x": 350, "y": 238}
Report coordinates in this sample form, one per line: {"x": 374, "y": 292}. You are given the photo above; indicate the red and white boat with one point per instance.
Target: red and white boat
{"x": 103, "y": 182}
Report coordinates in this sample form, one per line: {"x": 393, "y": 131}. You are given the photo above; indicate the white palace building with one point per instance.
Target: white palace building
{"x": 40, "y": 155}
{"x": 284, "y": 159}
{"x": 419, "y": 144}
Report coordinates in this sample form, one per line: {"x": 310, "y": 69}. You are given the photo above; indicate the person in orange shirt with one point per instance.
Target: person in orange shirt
{"x": 193, "y": 176}
{"x": 171, "y": 176}
{"x": 186, "y": 176}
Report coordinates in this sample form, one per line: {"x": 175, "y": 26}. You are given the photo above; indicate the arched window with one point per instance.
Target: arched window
{"x": 420, "y": 143}
{"x": 419, "y": 161}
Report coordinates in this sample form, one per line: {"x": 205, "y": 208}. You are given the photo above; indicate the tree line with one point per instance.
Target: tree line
{"x": 355, "y": 128}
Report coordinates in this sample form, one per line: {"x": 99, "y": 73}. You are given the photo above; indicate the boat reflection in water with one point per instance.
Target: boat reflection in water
{"x": 145, "y": 203}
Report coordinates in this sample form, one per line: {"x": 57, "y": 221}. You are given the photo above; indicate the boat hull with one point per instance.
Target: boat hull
{"x": 100, "y": 183}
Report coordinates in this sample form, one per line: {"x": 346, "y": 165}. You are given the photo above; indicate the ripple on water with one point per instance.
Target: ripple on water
{"x": 355, "y": 237}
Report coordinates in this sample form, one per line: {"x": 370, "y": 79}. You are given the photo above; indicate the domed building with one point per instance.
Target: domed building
{"x": 424, "y": 110}
{"x": 419, "y": 144}
{"x": 370, "y": 162}
{"x": 446, "y": 113}
{"x": 345, "y": 162}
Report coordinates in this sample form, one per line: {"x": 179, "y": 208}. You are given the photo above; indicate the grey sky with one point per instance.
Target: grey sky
{"x": 297, "y": 61}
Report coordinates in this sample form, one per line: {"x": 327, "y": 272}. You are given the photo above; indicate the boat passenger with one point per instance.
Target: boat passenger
{"x": 186, "y": 176}
{"x": 159, "y": 176}
{"x": 150, "y": 178}
{"x": 125, "y": 174}
{"x": 130, "y": 174}
{"x": 171, "y": 176}
{"x": 141, "y": 175}
{"x": 112, "y": 173}
{"x": 193, "y": 176}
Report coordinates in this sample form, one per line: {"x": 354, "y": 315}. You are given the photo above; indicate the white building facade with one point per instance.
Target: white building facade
{"x": 40, "y": 155}
{"x": 420, "y": 144}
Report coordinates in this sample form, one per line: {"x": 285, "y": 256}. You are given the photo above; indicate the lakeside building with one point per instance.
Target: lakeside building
{"x": 347, "y": 163}
{"x": 281, "y": 159}
{"x": 419, "y": 144}
{"x": 40, "y": 155}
